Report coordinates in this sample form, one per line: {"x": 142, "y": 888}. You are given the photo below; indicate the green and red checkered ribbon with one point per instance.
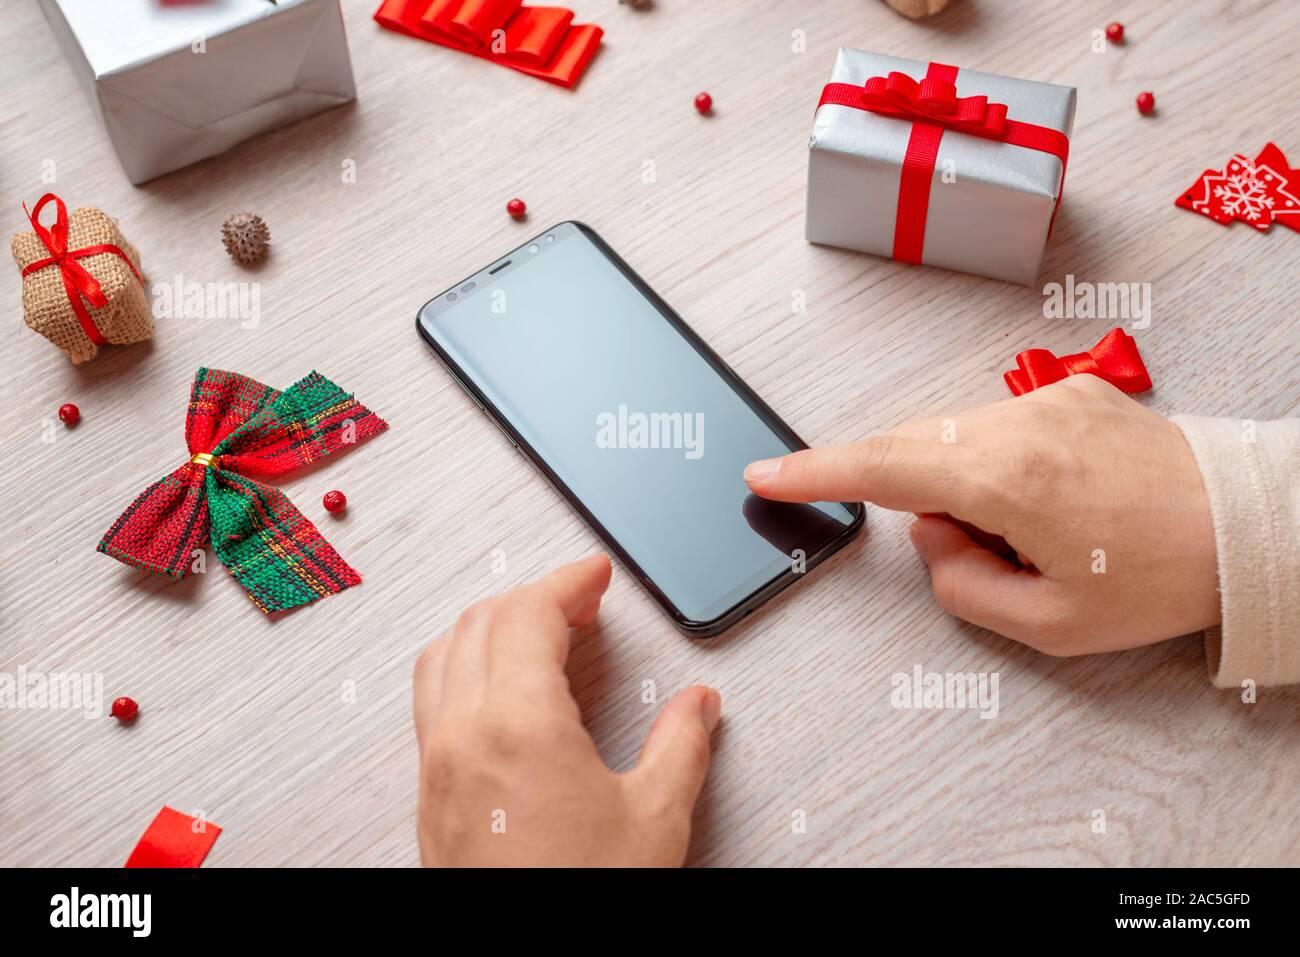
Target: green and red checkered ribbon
{"x": 239, "y": 430}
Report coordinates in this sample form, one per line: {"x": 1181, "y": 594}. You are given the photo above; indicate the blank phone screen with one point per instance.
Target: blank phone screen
{"x": 642, "y": 428}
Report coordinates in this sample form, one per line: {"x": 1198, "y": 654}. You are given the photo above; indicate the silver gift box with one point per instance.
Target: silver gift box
{"x": 177, "y": 82}
{"x": 991, "y": 218}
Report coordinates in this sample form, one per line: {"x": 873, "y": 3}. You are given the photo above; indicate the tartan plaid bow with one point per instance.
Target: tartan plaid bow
{"x": 239, "y": 430}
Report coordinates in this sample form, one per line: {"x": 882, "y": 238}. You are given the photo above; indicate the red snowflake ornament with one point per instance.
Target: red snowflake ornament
{"x": 1259, "y": 192}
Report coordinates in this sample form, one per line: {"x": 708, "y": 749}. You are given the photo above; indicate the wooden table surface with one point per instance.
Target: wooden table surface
{"x": 295, "y": 735}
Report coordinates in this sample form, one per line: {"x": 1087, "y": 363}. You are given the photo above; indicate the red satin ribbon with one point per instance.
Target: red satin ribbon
{"x": 935, "y": 99}
{"x": 172, "y": 840}
{"x": 79, "y": 283}
{"x": 934, "y": 106}
{"x": 1114, "y": 359}
{"x": 540, "y": 41}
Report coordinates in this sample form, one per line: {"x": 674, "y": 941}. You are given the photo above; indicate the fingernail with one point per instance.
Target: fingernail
{"x": 758, "y": 471}
{"x": 919, "y": 542}
{"x": 711, "y": 708}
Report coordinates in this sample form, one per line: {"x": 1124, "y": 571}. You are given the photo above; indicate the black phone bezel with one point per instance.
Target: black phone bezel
{"x": 693, "y": 628}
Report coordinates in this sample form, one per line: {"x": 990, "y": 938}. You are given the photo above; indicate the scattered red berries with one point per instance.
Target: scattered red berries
{"x": 335, "y": 501}
{"x": 1146, "y": 103}
{"x": 124, "y": 709}
{"x": 517, "y": 208}
{"x": 1115, "y": 32}
{"x": 69, "y": 413}
{"x": 704, "y": 104}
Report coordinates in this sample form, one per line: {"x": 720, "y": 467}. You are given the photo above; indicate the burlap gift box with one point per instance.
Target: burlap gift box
{"x": 47, "y": 305}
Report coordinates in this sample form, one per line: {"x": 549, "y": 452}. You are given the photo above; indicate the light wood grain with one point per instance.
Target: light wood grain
{"x": 244, "y": 718}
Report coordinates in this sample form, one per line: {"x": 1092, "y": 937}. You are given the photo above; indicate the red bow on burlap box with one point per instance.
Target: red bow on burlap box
{"x": 238, "y": 431}
{"x": 926, "y": 163}
{"x": 82, "y": 286}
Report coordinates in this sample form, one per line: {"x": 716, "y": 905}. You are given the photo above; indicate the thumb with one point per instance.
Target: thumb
{"x": 675, "y": 758}
{"x": 979, "y": 586}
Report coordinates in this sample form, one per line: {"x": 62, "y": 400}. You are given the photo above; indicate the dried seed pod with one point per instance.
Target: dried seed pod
{"x": 246, "y": 238}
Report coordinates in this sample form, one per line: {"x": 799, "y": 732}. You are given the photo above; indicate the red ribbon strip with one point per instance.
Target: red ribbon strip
{"x": 540, "y": 41}
{"x": 1114, "y": 359}
{"x": 934, "y": 106}
{"x": 79, "y": 283}
{"x": 173, "y": 840}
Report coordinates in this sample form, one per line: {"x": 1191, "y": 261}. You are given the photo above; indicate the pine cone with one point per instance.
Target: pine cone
{"x": 246, "y": 238}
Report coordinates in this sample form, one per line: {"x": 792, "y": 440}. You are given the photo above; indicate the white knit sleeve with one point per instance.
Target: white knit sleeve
{"x": 1251, "y": 472}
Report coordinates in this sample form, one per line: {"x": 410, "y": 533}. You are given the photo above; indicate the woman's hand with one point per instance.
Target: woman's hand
{"x": 508, "y": 773}
{"x": 1071, "y": 518}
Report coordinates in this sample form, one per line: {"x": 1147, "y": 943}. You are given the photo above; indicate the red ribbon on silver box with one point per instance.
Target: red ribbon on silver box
{"x": 933, "y": 106}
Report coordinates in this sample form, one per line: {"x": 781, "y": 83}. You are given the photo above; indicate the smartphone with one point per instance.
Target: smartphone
{"x": 641, "y": 427}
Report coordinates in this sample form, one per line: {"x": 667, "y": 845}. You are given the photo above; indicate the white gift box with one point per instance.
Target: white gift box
{"x": 175, "y": 83}
{"x": 990, "y": 202}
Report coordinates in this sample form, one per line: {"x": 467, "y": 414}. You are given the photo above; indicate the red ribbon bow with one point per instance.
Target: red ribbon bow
{"x": 934, "y": 100}
{"x": 934, "y": 106}
{"x": 78, "y": 282}
{"x": 1114, "y": 359}
{"x": 541, "y": 41}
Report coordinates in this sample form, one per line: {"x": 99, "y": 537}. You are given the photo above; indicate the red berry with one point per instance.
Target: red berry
{"x": 335, "y": 501}
{"x": 1115, "y": 32}
{"x": 124, "y": 709}
{"x": 1146, "y": 103}
{"x": 516, "y": 208}
{"x": 704, "y": 104}
{"x": 69, "y": 413}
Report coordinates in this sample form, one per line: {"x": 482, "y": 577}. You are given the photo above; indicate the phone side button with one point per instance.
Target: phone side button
{"x": 506, "y": 435}
{"x": 464, "y": 388}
